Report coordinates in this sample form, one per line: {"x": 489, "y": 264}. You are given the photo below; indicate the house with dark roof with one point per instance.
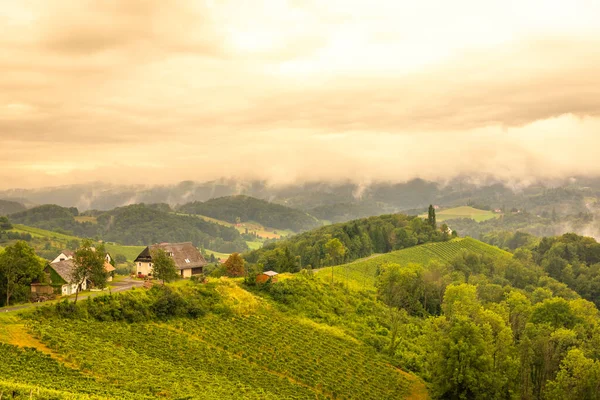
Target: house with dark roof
{"x": 60, "y": 276}
{"x": 188, "y": 260}
{"x": 69, "y": 254}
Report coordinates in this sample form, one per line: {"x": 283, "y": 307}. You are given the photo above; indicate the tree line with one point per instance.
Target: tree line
{"x": 359, "y": 238}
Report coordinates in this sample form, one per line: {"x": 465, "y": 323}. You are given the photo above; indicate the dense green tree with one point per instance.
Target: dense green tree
{"x": 335, "y": 250}
{"x": 89, "y": 265}
{"x": 578, "y": 378}
{"x": 163, "y": 266}
{"x": 19, "y": 266}
{"x": 5, "y": 224}
{"x": 402, "y": 287}
{"x": 431, "y": 217}
{"x": 472, "y": 353}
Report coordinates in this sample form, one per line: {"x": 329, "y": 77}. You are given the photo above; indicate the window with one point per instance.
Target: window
{"x": 187, "y": 260}
{"x": 139, "y": 264}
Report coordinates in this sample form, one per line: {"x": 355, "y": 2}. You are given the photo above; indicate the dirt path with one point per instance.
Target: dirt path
{"x": 418, "y": 390}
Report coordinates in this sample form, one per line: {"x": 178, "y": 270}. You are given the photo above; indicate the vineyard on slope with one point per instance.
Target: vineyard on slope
{"x": 264, "y": 356}
{"x": 361, "y": 273}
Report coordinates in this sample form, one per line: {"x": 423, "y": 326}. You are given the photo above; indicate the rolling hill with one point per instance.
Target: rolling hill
{"x": 135, "y": 225}
{"x": 225, "y": 343}
{"x": 235, "y": 209}
{"x": 10, "y": 207}
{"x": 364, "y": 271}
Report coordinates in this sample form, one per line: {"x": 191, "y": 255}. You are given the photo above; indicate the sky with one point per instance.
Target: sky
{"x": 154, "y": 92}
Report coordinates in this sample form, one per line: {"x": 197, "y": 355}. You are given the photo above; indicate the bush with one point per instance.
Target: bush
{"x": 126, "y": 269}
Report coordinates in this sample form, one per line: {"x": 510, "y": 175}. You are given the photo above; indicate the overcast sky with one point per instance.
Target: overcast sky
{"x": 161, "y": 91}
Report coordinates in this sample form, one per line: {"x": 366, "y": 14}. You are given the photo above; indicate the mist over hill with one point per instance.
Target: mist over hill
{"x": 335, "y": 202}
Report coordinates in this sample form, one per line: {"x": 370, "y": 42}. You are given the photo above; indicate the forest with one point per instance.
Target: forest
{"x": 236, "y": 209}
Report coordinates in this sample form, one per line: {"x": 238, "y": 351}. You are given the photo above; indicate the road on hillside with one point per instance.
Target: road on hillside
{"x": 126, "y": 284}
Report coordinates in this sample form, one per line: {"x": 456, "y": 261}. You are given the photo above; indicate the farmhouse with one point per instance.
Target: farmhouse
{"x": 188, "y": 260}
{"x": 59, "y": 275}
{"x": 265, "y": 276}
{"x": 69, "y": 254}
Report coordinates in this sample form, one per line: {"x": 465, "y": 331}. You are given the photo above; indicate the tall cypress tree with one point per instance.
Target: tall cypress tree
{"x": 431, "y": 217}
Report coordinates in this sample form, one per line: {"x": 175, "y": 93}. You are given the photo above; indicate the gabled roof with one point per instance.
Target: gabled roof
{"x": 185, "y": 255}
{"x": 64, "y": 269}
{"x": 270, "y": 273}
{"x": 108, "y": 267}
{"x": 68, "y": 253}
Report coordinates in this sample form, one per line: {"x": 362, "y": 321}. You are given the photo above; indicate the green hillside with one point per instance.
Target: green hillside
{"x": 362, "y": 272}
{"x": 224, "y": 343}
{"x": 60, "y": 241}
{"x": 135, "y": 225}
{"x": 463, "y": 212}
{"x": 9, "y": 207}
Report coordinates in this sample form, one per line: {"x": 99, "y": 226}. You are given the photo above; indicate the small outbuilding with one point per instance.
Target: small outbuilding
{"x": 265, "y": 276}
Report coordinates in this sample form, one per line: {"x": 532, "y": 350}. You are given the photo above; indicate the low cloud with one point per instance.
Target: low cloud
{"x": 158, "y": 92}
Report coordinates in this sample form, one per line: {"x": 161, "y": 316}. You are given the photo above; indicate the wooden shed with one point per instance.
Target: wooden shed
{"x": 265, "y": 276}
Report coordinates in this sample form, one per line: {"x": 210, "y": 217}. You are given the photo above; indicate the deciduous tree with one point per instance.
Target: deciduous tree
{"x": 234, "y": 266}
{"x": 89, "y": 265}
{"x": 19, "y": 266}
{"x": 163, "y": 266}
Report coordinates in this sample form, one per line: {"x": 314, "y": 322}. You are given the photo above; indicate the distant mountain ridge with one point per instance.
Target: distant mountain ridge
{"x": 335, "y": 202}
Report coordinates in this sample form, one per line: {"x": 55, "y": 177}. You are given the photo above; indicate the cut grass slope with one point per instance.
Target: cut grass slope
{"x": 463, "y": 212}
{"x": 362, "y": 272}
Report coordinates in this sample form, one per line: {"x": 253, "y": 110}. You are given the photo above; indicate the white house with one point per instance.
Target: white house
{"x": 68, "y": 255}
{"x": 64, "y": 255}
{"x": 188, "y": 260}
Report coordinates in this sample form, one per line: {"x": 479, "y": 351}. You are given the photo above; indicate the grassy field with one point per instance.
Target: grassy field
{"x": 130, "y": 252}
{"x": 221, "y": 256}
{"x": 81, "y": 218}
{"x": 463, "y": 212}
{"x": 361, "y": 273}
{"x": 260, "y": 353}
{"x": 254, "y": 245}
{"x": 251, "y": 226}
{"x": 61, "y": 240}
